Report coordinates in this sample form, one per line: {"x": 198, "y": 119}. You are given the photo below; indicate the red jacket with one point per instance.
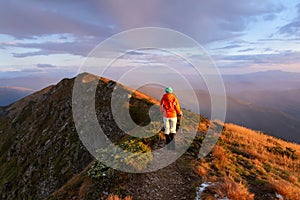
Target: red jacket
{"x": 169, "y": 105}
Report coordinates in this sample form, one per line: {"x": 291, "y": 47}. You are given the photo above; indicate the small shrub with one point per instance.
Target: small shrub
{"x": 227, "y": 188}
{"x": 267, "y": 166}
{"x": 131, "y": 155}
{"x": 292, "y": 179}
{"x": 221, "y": 158}
{"x": 286, "y": 189}
{"x": 200, "y": 170}
{"x": 278, "y": 150}
{"x": 100, "y": 172}
{"x": 202, "y": 127}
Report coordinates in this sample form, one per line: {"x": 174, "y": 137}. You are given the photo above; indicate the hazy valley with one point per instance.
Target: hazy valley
{"x": 264, "y": 101}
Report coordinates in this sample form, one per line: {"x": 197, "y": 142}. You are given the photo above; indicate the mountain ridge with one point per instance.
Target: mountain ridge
{"x": 43, "y": 158}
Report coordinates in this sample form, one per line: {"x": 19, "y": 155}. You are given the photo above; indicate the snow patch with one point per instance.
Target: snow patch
{"x": 201, "y": 189}
{"x": 279, "y": 196}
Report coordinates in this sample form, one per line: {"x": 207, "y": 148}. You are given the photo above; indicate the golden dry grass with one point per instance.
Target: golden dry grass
{"x": 228, "y": 188}
{"x": 221, "y": 157}
{"x": 253, "y": 160}
{"x": 256, "y": 145}
{"x": 286, "y": 189}
{"x": 200, "y": 170}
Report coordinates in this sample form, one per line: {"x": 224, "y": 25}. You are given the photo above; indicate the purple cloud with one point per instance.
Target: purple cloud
{"x": 45, "y": 66}
{"x": 90, "y": 22}
{"x": 292, "y": 28}
{"x": 240, "y": 61}
{"x": 29, "y": 54}
{"x": 205, "y": 21}
{"x": 35, "y": 18}
{"x": 246, "y": 50}
{"x": 233, "y": 46}
{"x": 79, "y": 47}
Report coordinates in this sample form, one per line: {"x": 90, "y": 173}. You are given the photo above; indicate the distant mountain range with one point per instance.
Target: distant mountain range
{"x": 10, "y": 94}
{"x": 264, "y": 101}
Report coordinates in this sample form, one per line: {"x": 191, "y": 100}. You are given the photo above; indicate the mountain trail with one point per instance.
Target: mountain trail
{"x": 175, "y": 181}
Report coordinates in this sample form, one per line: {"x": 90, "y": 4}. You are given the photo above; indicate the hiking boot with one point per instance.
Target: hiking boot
{"x": 168, "y": 138}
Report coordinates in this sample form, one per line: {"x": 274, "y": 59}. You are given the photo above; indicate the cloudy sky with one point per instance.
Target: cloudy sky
{"x": 51, "y": 38}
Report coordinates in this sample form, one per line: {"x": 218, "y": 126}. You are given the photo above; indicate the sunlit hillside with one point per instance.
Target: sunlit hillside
{"x": 43, "y": 157}
{"x": 260, "y": 164}
{"x": 243, "y": 165}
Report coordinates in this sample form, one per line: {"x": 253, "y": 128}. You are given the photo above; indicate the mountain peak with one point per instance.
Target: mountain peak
{"x": 42, "y": 156}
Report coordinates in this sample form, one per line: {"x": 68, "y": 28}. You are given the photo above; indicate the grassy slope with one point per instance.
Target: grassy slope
{"x": 262, "y": 164}
{"x": 243, "y": 165}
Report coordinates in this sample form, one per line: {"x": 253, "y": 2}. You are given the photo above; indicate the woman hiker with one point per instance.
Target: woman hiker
{"x": 170, "y": 107}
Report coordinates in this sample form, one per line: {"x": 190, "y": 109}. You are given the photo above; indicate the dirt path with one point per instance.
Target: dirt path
{"x": 176, "y": 181}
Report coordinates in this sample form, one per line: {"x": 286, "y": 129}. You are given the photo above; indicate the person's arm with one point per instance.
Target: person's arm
{"x": 177, "y": 107}
{"x": 162, "y": 104}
